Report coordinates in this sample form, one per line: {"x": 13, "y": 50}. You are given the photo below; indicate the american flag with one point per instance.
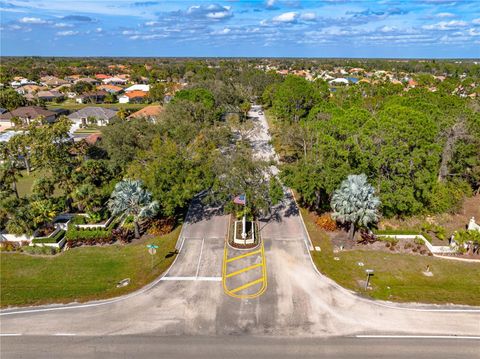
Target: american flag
{"x": 240, "y": 199}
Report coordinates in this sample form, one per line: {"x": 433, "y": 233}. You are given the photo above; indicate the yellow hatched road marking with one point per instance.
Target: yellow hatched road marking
{"x": 244, "y": 270}
{"x": 263, "y": 280}
{"x": 245, "y": 286}
{"x": 244, "y": 255}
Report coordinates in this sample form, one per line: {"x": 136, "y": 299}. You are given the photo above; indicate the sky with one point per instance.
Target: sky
{"x": 270, "y": 28}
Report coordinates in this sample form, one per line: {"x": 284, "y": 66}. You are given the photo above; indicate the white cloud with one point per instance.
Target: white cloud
{"x": 62, "y": 25}
{"x": 388, "y": 28}
{"x": 67, "y": 33}
{"x": 130, "y": 32}
{"x": 445, "y": 14}
{"x": 308, "y": 16}
{"x": 286, "y": 17}
{"x": 32, "y": 20}
{"x": 223, "y": 31}
{"x": 476, "y": 21}
{"x": 98, "y": 30}
{"x": 445, "y": 25}
{"x": 270, "y": 4}
{"x": 152, "y": 23}
{"x": 473, "y": 32}
{"x": 218, "y": 15}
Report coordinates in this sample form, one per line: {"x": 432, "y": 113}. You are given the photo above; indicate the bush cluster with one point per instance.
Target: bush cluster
{"x": 326, "y": 222}
{"x": 55, "y": 239}
{"x": 77, "y": 237}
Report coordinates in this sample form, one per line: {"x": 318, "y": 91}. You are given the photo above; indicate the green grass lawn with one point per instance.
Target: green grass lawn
{"x": 398, "y": 277}
{"x": 24, "y": 183}
{"x": 83, "y": 273}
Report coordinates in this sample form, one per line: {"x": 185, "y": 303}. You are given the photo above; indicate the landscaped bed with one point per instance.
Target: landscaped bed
{"x": 82, "y": 274}
{"x": 398, "y": 277}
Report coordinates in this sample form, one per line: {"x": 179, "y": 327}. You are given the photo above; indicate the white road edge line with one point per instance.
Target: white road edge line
{"x": 420, "y": 336}
{"x": 10, "y": 334}
{"x": 205, "y": 279}
{"x": 200, "y": 258}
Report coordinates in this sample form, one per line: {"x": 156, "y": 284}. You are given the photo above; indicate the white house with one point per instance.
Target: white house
{"x": 338, "y": 81}
{"x": 114, "y": 81}
{"x": 138, "y": 87}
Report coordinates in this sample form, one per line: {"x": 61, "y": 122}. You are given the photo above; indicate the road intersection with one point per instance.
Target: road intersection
{"x": 191, "y": 299}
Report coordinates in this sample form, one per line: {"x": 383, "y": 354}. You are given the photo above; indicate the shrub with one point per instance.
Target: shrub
{"x": 123, "y": 235}
{"x": 40, "y": 250}
{"x": 395, "y": 231}
{"x": 418, "y": 241}
{"x": 77, "y": 237}
{"x": 55, "y": 239}
{"x": 9, "y": 246}
{"x": 326, "y": 222}
{"x": 160, "y": 227}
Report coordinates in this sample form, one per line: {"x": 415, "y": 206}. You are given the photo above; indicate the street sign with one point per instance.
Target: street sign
{"x": 152, "y": 251}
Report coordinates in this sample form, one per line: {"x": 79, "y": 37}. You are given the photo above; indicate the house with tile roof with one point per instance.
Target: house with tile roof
{"x": 111, "y": 89}
{"x": 28, "y": 113}
{"x": 149, "y": 112}
{"x": 133, "y": 97}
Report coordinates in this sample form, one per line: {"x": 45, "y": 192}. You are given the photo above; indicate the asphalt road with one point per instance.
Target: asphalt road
{"x": 299, "y": 304}
{"x": 47, "y": 347}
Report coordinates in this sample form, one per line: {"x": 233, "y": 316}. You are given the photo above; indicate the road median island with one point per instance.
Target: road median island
{"x": 398, "y": 277}
{"x": 83, "y": 274}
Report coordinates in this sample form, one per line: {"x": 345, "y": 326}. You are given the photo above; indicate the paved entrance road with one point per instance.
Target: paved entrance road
{"x": 190, "y": 301}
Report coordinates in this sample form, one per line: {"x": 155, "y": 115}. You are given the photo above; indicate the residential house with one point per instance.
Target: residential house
{"x": 102, "y": 77}
{"x": 93, "y": 139}
{"x": 51, "y": 95}
{"x": 111, "y": 89}
{"x": 52, "y": 81}
{"x": 20, "y": 81}
{"x": 92, "y": 115}
{"x": 27, "y": 114}
{"x": 92, "y": 97}
{"x": 114, "y": 81}
{"x": 89, "y": 80}
{"x": 133, "y": 97}
{"x": 149, "y": 112}
{"x": 28, "y": 89}
{"x": 72, "y": 78}
{"x": 339, "y": 81}
{"x": 138, "y": 87}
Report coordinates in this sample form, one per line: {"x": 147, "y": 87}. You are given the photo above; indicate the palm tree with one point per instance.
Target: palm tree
{"x": 130, "y": 198}
{"x": 355, "y": 203}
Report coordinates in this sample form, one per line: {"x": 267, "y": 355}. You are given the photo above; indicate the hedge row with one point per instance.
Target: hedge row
{"x": 403, "y": 232}
{"x": 396, "y": 231}
{"x": 55, "y": 239}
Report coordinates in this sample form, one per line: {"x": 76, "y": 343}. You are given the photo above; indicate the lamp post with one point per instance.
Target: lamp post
{"x": 369, "y": 274}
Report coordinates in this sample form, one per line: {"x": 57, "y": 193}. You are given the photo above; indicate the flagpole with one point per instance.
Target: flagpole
{"x": 244, "y": 221}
